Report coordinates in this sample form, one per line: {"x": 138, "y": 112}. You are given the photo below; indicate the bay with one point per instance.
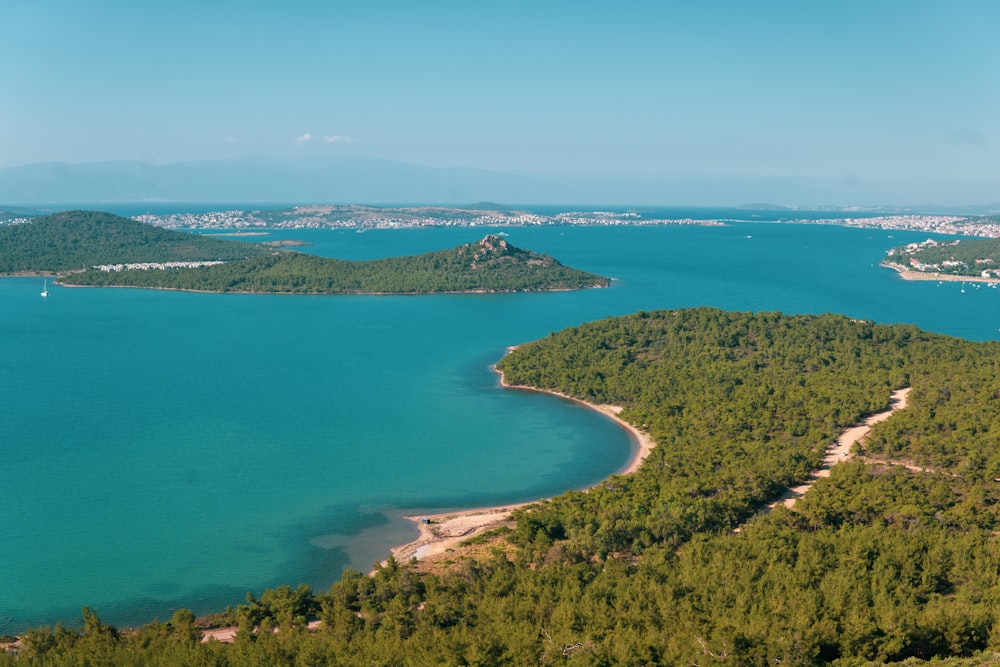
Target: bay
{"x": 166, "y": 449}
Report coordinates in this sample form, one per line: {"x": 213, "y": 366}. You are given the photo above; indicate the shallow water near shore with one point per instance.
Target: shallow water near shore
{"x": 166, "y": 449}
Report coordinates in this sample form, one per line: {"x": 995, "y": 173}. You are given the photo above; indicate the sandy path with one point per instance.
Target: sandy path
{"x": 224, "y": 635}
{"x": 841, "y": 449}
{"x": 228, "y": 635}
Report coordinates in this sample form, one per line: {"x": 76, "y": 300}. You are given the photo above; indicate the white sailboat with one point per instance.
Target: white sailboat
{"x": 45, "y": 288}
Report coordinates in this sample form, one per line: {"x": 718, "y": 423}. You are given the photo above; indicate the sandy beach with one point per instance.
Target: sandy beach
{"x": 906, "y": 274}
{"x": 441, "y": 533}
{"x": 444, "y": 532}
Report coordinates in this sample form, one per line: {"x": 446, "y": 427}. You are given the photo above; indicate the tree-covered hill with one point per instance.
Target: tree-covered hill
{"x": 488, "y": 265}
{"x": 894, "y": 558}
{"x": 75, "y": 240}
{"x": 89, "y": 248}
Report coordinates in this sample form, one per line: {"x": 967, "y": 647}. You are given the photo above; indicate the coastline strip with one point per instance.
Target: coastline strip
{"x": 442, "y": 532}
{"x": 907, "y": 274}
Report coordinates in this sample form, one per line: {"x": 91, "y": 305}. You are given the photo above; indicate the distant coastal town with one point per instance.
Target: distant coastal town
{"x": 936, "y": 224}
{"x": 363, "y": 218}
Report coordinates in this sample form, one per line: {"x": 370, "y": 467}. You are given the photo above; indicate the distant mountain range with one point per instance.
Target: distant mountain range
{"x": 351, "y": 179}
{"x": 255, "y": 180}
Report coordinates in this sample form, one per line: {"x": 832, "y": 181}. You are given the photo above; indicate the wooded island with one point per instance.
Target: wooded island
{"x": 93, "y": 249}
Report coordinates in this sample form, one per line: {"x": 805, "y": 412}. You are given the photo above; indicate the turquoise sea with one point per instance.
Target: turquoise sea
{"x": 164, "y": 449}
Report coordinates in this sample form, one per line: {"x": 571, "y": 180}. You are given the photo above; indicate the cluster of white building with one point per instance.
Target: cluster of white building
{"x": 929, "y": 243}
{"x": 924, "y": 267}
{"x": 491, "y": 219}
{"x": 915, "y": 247}
{"x": 146, "y": 266}
{"x": 630, "y": 218}
{"x": 213, "y": 220}
{"x": 939, "y": 224}
{"x": 369, "y": 217}
{"x": 364, "y": 218}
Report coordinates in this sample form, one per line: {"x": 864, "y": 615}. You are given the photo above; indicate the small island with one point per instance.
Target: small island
{"x": 93, "y": 249}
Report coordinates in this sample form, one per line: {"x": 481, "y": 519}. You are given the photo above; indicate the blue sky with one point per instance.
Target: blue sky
{"x": 894, "y": 99}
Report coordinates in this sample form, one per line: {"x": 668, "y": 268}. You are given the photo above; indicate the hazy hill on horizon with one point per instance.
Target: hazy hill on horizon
{"x": 355, "y": 179}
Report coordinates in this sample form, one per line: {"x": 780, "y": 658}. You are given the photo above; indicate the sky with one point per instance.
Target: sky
{"x": 898, "y": 100}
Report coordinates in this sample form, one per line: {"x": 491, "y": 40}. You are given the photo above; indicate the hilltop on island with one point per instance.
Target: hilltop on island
{"x": 101, "y": 250}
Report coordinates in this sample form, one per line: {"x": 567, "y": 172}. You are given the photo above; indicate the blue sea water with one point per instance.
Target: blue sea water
{"x": 165, "y": 449}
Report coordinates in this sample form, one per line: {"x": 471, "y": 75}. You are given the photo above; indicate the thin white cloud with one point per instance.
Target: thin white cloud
{"x": 337, "y": 139}
{"x": 233, "y": 140}
{"x": 304, "y": 138}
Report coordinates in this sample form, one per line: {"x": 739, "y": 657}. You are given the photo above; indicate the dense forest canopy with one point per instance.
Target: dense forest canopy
{"x": 75, "y": 240}
{"x": 892, "y": 558}
{"x": 488, "y": 265}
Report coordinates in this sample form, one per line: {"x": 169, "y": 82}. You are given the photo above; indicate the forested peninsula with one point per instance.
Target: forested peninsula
{"x": 892, "y": 558}
{"x": 92, "y": 249}
{"x": 970, "y": 259}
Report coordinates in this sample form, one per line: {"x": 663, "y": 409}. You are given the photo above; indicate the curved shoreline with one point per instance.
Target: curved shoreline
{"x": 642, "y": 442}
{"x": 443, "y": 532}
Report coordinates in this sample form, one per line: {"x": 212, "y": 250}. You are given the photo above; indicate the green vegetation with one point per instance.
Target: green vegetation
{"x": 76, "y": 240}
{"x": 489, "y": 265}
{"x": 879, "y": 563}
{"x": 9, "y": 214}
{"x": 75, "y": 243}
{"x": 964, "y": 257}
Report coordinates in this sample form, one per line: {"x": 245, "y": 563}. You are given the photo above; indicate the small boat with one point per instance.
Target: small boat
{"x": 45, "y": 288}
